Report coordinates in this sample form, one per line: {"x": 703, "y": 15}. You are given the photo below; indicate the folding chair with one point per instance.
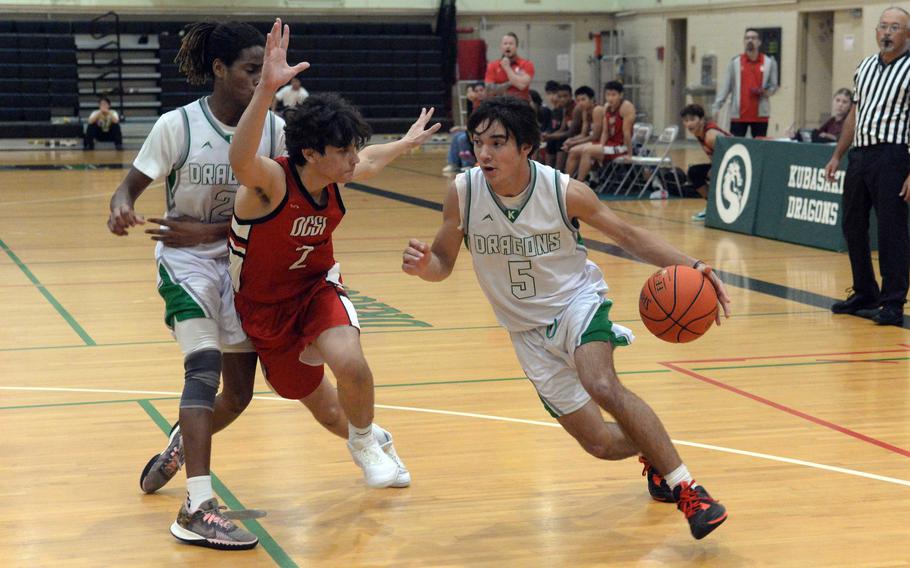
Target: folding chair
{"x": 609, "y": 175}
{"x": 656, "y": 163}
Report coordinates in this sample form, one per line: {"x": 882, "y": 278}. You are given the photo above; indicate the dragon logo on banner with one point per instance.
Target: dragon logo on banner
{"x": 734, "y": 179}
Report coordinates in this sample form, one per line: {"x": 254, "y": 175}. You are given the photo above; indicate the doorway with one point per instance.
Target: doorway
{"x": 676, "y": 70}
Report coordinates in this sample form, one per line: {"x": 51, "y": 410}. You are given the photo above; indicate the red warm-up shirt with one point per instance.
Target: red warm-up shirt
{"x": 750, "y": 78}
{"x": 496, "y": 74}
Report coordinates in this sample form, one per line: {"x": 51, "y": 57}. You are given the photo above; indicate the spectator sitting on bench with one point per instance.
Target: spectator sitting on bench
{"x": 289, "y": 96}
{"x": 829, "y": 132}
{"x": 616, "y": 133}
{"x": 561, "y": 119}
{"x": 104, "y": 126}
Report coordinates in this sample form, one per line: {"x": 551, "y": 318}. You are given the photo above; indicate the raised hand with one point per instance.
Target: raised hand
{"x": 275, "y": 69}
{"x": 418, "y": 133}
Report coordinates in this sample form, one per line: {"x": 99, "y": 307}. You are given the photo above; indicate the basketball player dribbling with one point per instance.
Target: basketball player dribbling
{"x": 287, "y": 285}
{"x": 519, "y": 219}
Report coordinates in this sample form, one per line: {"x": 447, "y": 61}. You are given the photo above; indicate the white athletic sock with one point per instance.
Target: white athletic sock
{"x": 360, "y": 437}
{"x": 678, "y": 476}
{"x": 382, "y": 435}
{"x": 198, "y": 490}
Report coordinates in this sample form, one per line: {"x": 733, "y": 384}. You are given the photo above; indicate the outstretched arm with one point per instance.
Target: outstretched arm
{"x": 250, "y": 169}
{"x": 583, "y": 204}
{"x": 436, "y": 263}
{"x": 374, "y": 158}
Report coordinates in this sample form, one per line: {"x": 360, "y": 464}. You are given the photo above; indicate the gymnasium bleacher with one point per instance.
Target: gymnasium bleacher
{"x": 51, "y": 72}
{"x": 38, "y": 79}
{"x": 388, "y": 70}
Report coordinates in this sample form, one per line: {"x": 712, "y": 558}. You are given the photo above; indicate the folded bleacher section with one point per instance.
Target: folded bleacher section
{"x": 389, "y": 70}
{"x": 52, "y": 71}
{"x": 38, "y": 80}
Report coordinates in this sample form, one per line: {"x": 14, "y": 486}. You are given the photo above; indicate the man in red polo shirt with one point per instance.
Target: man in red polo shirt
{"x": 751, "y": 80}
{"x": 510, "y": 75}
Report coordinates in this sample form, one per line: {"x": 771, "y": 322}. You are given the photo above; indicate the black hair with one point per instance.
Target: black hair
{"x": 585, "y": 90}
{"x": 204, "y": 42}
{"x": 551, "y": 86}
{"x": 753, "y": 30}
{"x": 613, "y": 86}
{"x": 324, "y": 119}
{"x": 692, "y": 110}
{"x": 105, "y": 99}
{"x": 565, "y": 87}
{"x": 512, "y": 34}
{"x": 515, "y": 115}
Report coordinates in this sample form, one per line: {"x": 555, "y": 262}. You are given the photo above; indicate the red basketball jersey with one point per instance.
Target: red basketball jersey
{"x": 612, "y": 132}
{"x": 708, "y": 127}
{"x": 281, "y": 255}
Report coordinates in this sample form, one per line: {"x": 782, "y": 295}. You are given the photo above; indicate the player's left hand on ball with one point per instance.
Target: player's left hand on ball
{"x": 415, "y": 258}
{"x": 180, "y": 231}
{"x": 722, "y": 298}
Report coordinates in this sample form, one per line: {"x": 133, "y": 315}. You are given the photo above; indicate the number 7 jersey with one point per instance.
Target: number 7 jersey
{"x": 530, "y": 261}
{"x": 285, "y": 253}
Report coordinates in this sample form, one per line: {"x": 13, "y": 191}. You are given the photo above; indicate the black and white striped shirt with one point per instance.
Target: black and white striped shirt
{"x": 881, "y": 94}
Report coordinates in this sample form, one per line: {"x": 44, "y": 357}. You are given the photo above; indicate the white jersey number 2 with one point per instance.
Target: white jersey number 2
{"x": 300, "y": 262}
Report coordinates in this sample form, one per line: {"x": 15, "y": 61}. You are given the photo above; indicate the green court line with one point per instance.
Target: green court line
{"x": 48, "y": 296}
{"x": 278, "y": 554}
{"x": 261, "y": 393}
{"x": 84, "y": 403}
{"x": 803, "y": 364}
{"x": 81, "y": 346}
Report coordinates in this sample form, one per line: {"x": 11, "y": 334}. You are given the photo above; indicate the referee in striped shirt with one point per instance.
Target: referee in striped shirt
{"x": 877, "y": 175}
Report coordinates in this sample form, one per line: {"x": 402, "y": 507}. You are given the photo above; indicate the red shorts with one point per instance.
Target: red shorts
{"x": 281, "y": 331}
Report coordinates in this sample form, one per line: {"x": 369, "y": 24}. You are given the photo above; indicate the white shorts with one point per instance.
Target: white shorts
{"x": 198, "y": 287}
{"x": 547, "y": 354}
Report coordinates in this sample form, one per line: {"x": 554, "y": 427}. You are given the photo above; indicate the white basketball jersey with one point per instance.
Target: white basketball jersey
{"x": 530, "y": 262}
{"x": 201, "y": 184}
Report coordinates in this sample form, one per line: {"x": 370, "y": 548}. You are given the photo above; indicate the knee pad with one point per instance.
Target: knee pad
{"x": 201, "y": 379}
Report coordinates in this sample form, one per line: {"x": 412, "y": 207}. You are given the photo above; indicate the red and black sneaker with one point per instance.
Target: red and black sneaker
{"x": 657, "y": 485}
{"x": 703, "y": 513}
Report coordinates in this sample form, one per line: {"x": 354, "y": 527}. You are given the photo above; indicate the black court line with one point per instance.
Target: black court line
{"x": 745, "y": 282}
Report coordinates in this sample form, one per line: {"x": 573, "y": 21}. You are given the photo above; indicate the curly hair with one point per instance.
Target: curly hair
{"x": 204, "y": 42}
{"x": 515, "y": 115}
{"x": 324, "y": 119}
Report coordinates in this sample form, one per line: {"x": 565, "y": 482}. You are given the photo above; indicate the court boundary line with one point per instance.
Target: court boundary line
{"x": 675, "y": 365}
{"x": 269, "y": 544}
{"x": 67, "y": 317}
{"x": 711, "y": 447}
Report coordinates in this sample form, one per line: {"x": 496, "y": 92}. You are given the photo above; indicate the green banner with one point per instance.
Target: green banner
{"x": 777, "y": 190}
{"x": 735, "y": 180}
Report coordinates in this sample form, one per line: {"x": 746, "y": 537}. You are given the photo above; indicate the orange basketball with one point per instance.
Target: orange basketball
{"x": 678, "y": 304}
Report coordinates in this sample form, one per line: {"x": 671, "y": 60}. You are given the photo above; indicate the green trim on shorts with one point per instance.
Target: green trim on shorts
{"x": 547, "y": 407}
{"x": 601, "y": 328}
{"x": 178, "y": 304}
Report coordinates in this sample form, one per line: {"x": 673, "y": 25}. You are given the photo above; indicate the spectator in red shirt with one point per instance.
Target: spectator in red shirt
{"x": 510, "y": 75}
{"x": 751, "y": 80}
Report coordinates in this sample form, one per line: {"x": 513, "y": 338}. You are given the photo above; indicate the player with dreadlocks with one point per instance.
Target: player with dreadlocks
{"x": 189, "y": 148}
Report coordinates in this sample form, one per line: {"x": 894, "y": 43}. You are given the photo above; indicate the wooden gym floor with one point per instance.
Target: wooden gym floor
{"x": 795, "y": 419}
